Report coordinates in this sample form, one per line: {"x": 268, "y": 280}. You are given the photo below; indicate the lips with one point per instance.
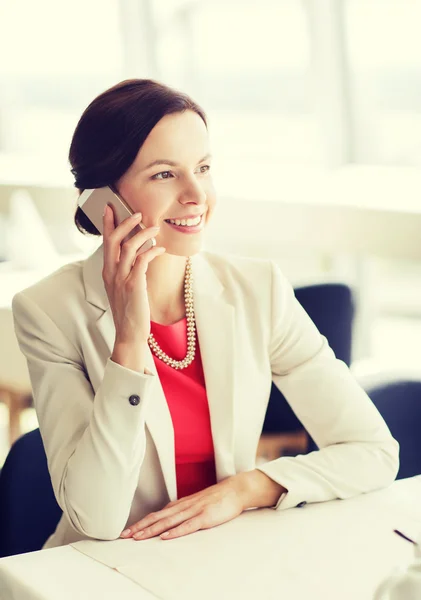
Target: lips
{"x": 192, "y": 228}
{"x": 185, "y": 218}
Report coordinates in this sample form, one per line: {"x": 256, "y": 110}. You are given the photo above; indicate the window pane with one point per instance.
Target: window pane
{"x": 385, "y": 56}
{"x": 59, "y": 56}
{"x": 247, "y": 63}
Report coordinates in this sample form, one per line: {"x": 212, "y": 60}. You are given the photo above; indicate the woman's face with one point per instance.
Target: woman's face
{"x": 170, "y": 179}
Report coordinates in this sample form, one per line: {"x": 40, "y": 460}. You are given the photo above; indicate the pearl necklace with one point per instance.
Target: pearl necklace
{"x": 191, "y": 327}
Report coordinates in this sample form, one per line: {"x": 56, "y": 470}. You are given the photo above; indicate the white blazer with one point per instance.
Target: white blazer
{"x": 112, "y": 463}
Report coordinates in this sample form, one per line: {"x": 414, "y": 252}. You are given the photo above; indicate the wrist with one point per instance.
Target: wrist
{"x": 130, "y": 355}
{"x": 130, "y": 341}
{"x": 258, "y": 490}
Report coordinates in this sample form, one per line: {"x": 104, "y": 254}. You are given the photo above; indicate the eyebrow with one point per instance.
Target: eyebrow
{"x": 163, "y": 161}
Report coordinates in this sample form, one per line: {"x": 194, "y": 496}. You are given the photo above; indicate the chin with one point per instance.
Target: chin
{"x": 183, "y": 249}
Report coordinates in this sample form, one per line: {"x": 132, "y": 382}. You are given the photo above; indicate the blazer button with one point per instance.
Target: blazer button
{"x": 134, "y": 399}
{"x": 301, "y": 504}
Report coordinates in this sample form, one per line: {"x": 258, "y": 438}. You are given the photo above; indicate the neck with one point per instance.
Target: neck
{"x": 165, "y": 278}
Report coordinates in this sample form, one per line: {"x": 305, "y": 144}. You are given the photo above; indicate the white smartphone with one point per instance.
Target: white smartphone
{"x": 93, "y": 203}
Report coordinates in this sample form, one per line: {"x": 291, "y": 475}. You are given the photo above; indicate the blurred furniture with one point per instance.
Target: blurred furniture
{"x": 15, "y": 386}
{"x": 29, "y": 512}
{"x": 399, "y": 403}
{"x": 271, "y": 556}
{"x": 331, "y": 308}
{"x": 398, "y": 400}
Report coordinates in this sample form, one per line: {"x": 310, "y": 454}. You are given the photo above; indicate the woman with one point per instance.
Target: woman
{"x": 151, "y": 371}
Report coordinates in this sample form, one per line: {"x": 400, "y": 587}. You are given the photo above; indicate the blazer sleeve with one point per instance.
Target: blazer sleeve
{"x": 95, "y": 443}
{"x": 357, "y": 452}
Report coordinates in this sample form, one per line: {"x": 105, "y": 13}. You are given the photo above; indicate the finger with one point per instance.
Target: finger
{"x": 112, "y": 242}
{"x": 142, "y": 261}
{"x": 110, "y": 258}
{"x": 170, "y": 509}
{"x": 108, "y": 221}
{"x": 123, "y": 229}
{"x": 130, "y": 248}
{"x": 150, "y": 519}
{"x": 154, "y": 517}
{"x": 165, "y": 524}
{"x": 108, "y": 224}
{"x": 140, "y": 525}
{"x": 189, "y": 526}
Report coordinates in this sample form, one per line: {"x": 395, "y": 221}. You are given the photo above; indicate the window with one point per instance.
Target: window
{"x": 59, "y": 56}
{"x": 385, "y": 59}
{"x": 248, "y": 64}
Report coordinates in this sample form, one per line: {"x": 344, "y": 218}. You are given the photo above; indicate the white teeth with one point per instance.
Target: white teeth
{"x": 186, "y": 222}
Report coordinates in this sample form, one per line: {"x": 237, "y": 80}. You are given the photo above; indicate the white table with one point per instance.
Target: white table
{"x": 339, "y": 549}
{"x": 63, "y": 574}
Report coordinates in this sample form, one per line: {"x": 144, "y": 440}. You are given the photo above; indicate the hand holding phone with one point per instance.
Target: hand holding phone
{"x": 129, "y": 247}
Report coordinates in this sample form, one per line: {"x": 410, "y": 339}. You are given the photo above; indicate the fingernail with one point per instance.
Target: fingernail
{"x": 138, "y": 535}
{"x": 166, "y": 534}
{"x": 155, "y": 228}
{"x": 136, "y": 215}
{"x": 105, "y": 210}
{"x": 125, "y": 532}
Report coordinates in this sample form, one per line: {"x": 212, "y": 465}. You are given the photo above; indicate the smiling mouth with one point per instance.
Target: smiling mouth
{"x": 185, "y": 222}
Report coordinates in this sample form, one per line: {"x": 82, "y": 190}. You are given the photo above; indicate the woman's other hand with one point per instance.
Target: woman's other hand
{"x": 212, "y": 506}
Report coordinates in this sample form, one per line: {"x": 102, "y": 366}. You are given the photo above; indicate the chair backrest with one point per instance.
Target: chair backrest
{"x": 331, "y": 308}
{"x": 399, "y": 403}
{"x": 29, "y": 512}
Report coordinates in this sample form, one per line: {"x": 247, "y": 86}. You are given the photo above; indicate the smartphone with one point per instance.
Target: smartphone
{"x": 93, "y": 203}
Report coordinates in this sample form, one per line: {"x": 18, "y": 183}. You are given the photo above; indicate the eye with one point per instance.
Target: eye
{"x": 204, "y": 168}
{"x": 165, "y": 175}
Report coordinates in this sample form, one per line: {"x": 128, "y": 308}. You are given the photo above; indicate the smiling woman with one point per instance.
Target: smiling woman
{"x": 151, "y": 375}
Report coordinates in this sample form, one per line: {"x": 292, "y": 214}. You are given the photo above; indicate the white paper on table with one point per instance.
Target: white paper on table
{"x": 340, "y": 547}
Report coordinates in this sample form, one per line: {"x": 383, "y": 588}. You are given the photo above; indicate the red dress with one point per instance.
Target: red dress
{"x": 185, "y": 392}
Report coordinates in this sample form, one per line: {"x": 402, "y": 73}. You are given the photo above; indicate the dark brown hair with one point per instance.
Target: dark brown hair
{"x": 112, "y": 129}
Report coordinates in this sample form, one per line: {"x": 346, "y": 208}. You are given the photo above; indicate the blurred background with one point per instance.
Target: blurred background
{"x": 314, "y": 111}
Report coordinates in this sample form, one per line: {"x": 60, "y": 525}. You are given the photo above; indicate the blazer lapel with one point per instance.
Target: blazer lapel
{"x": 215, "y": 330}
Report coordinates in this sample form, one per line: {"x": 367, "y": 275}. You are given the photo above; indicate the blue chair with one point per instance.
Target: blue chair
{"x": 399, "y": 403}
{"x": 29, "y": 512}
{"x": 331, "y": 308}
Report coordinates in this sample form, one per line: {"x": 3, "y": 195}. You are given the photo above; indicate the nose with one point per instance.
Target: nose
{"x": 193, "y": 192}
